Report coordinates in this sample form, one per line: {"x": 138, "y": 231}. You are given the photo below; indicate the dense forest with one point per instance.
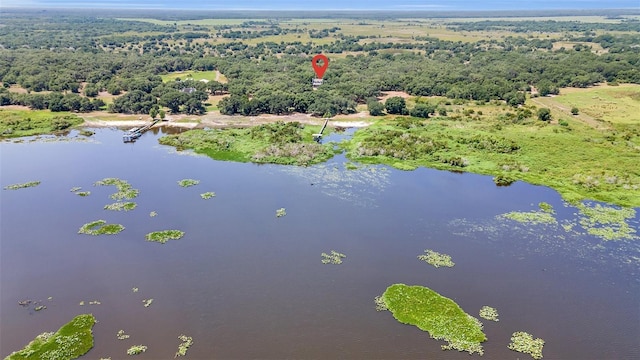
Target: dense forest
{"x": 64, "y": 62}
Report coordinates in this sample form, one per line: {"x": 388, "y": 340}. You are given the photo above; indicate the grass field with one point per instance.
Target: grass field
{"x": 213, "y": 75}
{"x": 616, "y": 104}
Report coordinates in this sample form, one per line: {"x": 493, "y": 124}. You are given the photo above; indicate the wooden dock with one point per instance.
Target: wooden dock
{"x": 318, "y": 136}
{"x": 133, "y": 134}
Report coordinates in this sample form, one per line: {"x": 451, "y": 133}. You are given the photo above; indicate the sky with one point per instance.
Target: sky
{"x": 434, "y": 5}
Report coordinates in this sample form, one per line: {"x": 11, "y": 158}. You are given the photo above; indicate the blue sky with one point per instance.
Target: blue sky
{"x": 443, "y": 5}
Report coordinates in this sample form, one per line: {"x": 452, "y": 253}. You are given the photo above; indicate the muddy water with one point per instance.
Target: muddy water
{"x": 245, "y": 284}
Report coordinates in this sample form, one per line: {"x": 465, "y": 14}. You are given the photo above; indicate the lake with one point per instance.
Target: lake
{"x": 246, "y": 284}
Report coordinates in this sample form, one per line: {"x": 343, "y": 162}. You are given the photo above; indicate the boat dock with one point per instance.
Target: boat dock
{"x": 133, "y": 134}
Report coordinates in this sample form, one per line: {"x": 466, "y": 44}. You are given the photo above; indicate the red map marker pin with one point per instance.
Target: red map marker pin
{"x": 320, "y": 69}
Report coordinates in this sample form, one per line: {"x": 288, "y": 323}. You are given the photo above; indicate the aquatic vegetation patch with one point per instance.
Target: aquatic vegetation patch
{"x": 606, "y": 222}
{"x": 153, "y": 214}
{"x": 187, "y": 341}
{"x": 164, "y": 236}
{"x": 125, "y": 190}
{"x": 135, "y": 289}
{"x": 83, "y": 193}
{"x": 120, "y": 206}
{"x": 489, "y": 313}
{"x": 75, "y": 189}
{"x": 281, "y": 212}
{"x": 525, "y": 343}
{"x": 121, "y": 335}
{"x": 441, "y": 317}
{"x": 100, "y": 227}
{"x": 136, "y": 349}
{"x": 546, "y": 207}
{"x": 22, "y": 186}
{"x": 334, "y": 258}
{"x": 147, "y": 302}
{"x": 531, "y": 217}
{"x": 71, "y": 341}
{"x": 17, "y": 123}
{"x": 380, "y": 304}
{"x": 436, "y": 259}
{"x": 208, "y": 195}
{"x": 188, "y": 182}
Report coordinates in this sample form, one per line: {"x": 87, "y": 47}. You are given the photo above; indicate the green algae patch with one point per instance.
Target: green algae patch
{"x": 441, "y": 317}
{"x": 208, "y": 195}
{"x": 22, "y": 186}
{"x": 606, "y": 222}
{"x": 334, "y": 258}
{"x": 281, "y": 212}
{"x": 100, "y": 227}
{"x": 288, "y": 143}
{"x": 71, "y": 341}
{"x": 489, "y": 313}
{"x": 121, "y": 206}
{"x": 436, "y": 259}
{"x": 136, "y": 349}
{"x": 164, "y": 236}
{"x": 525, "y": 343}
{"x": 125, "y": 190}
{"x": 188, "y": 182}
{"x": 531, "y": 217}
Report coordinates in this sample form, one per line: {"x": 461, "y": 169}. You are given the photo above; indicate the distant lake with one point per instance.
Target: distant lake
{"x": 246, "y": 284}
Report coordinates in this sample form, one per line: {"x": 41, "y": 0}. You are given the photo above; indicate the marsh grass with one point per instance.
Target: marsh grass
{"x": 100, "y": 227}
{"x": 436, "y": 314}
{"x": 207, "y": 195}
{"x": 281, "y": 212}
{"x": 120, "y": 206}
{"x": 436, "y": 259}
{"x": 188, "y": 182}
{"x": 17, "y": 123}
{"x": 71, "y": 341}
{"x": 164, "y": 236}
{"x": 22, "y": 186}
{"x": 489, "y": 313}
{"x": 525, "y": 343}
{"x": 187, "y": 341}
{"x": 334, "y": 258}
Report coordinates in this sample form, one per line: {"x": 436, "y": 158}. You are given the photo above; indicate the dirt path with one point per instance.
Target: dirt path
{"x": 550, "y": 102}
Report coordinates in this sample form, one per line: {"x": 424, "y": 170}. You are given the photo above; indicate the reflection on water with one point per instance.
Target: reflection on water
{"x": 246, "y": 284}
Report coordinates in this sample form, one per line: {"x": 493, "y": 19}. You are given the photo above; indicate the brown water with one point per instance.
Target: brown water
{"x": 245, "y": 284}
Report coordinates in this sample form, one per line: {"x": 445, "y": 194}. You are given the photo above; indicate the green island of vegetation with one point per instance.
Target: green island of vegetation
{"x": 136, "y": 349}
{"x": 436, "y": 314}
{"x": 334, "y": 258}
{"x": 281, "y": 212}
{"x": 278, "y": 143}
{"x": 208, "y": 195}
{"x": 164, "y": 236}
{"x": 22, "y": 186}
{"x": 71, "y": 341}
{"x": 489, "y": 313}
{"x": 188, "y": 182}
{"x": 100, "y": 227}
{"x": 525, "y": 343}
{"x": 17, "y": 123}
{"x": 125, "y": 190}
{"x": 120, "y": 206}
{"x": 187, "y": 341}
{"x": 436, "y": 259}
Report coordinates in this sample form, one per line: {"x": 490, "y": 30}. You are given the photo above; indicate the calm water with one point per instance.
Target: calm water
{"x": 245, "y": 284}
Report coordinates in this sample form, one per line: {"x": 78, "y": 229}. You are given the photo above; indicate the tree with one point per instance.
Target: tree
{"x": 422, "y": 110}
{"x": 375, "y": 107}
{"x": 574, "y": 111}
{"x": 153, "y": 113}
{"x": 396, "y": 105}
{"x": 544, "y": 114}
{"x": 161, "y": 114}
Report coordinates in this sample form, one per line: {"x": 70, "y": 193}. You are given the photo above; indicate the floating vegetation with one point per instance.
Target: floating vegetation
{"x": 489, "y": 313}
{"x": 380, "y": 304}
{"x": 125, "y": 191}
{"x": 39, "y": 307}
{"x": 188, "y": 182}
{"x": 436, "y": 314}
{"x": 606, "y": 222}
{"x": 281, "y": 212}
{"x": 136, "y": 349}
{"x": 120, "y": 206}
{"x": 531, "y": 217}
{"x": 135, "y": 289}
{"x": 71, "y": 341}
{"x": 147, "y": 302}
{"x": 22, "y": 186}
{"x": 333, "y": 258}
{"x": 187, "y": 341}
{"x": 121, "y": 335}
{"x": 75, "y": 189}
{"x": 153, "y": 214}
{"x": 524, "y": 343}
{"x": 436, "y": 259}
{"x": 95, "y": 302}
{"x": 100, "y": 227}
{"x": 546, "y": 207}
{"x": 208, "y": 195}
{"x": 81, "y": 303}
{"x": 83, "y": 193}
{"x": 164, "y": 236}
